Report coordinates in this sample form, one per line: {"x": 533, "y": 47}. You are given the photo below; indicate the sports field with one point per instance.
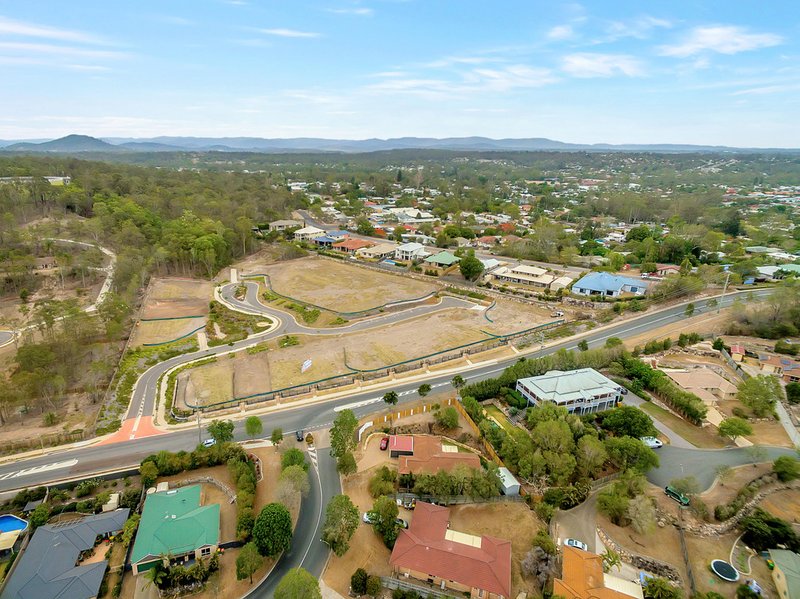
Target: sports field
{"x": 170, "y": 298}
{"x": 340, "y": 286}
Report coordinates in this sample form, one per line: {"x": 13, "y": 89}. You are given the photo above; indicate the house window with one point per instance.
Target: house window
{"x": 205, "y": 551}
{"x": 480, "y": 593}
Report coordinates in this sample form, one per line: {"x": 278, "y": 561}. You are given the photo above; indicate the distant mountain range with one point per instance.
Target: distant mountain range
{"x": 73, "y": 144}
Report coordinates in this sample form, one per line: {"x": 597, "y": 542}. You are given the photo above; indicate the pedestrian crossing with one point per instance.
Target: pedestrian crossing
{"x": 312, "y": 455}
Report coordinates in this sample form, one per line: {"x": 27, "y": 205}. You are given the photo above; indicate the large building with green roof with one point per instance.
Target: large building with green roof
{"x": 175, "y": 526}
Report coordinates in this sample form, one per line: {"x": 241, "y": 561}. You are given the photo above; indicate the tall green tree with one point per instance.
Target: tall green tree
{"x": 384, "y": 518}
{"x": 391, "y": 398}
{"x": 221, "y": 430}
{"x": 341, "y": 522}
{"x": 343, "y": 433}
{"x": 248, "y": 562}
{"x": 734, "y": 427}
{"x": 272, "y": 531}
{"x": 298, "y": 583}
{"x": 253, "y": 426}
{"x": 471, "y": 268}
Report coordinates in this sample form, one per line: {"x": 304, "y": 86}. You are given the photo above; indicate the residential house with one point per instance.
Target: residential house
{"x": 282, "y": 225}
{"x": 786, "y": 573}
{"x": 490, "y": 264}
{"x": 324, "y": 241}
{"x": 782, "y": 366}
{"x": 442, "y": 260}
{"x": 430, "y": 551}
{"x": 419, "y": 238}
{"x": 522, "y": 274}
{"x": 308, "y": 233}
{"x": 738, "y": 352}
{"x": 410, "y": 251}
{"x": 486, "y": 242}
{"x": 662, "y": 270}
{"x": 422, "y": 454}
{"x": 607, "y": 285}
{"x": 174, "y": 524}
{"x": 705, "y": 383}
{"x": 45, "y": 263}
{"x": 338, "y": 235}
{"x": 351, "y": 246}
{"x": 378, "y": 252}
{"x": 51, "y": 566}
{"x": 582, "y": 577}
{"x": 582, "y": 391}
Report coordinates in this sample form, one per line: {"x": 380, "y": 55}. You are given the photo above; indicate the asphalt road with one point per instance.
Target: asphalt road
{"x": 307, "y": 550}
{"x": 89, "y": 460}
{"x": 5, "y": 337}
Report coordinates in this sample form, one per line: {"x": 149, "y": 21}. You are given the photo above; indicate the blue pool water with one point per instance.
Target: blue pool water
{"x": 10, "y": 523}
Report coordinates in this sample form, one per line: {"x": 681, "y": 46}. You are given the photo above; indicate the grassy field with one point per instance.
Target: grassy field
{"x": 170, "y": 298}
{"x": 209, "y": 383}
{"x": 340, "y": 286}
{"x": 695, "y": 435}
{"x": 160, "y": 331}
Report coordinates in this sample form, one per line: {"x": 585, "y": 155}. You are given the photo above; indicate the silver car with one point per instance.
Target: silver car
{"x": 576, "y": 544}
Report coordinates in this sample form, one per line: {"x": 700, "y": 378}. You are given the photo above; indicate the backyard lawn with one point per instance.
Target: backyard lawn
{"x": 495, "y": 414}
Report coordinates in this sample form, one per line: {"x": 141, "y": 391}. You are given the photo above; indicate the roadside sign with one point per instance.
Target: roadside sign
{"x": 306, "y": 365}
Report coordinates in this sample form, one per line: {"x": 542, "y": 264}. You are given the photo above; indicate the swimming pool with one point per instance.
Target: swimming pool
{"x": 9, "y": 523}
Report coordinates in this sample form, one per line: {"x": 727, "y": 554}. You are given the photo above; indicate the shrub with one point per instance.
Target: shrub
{"x": 373, "y": 586}
{"x": 358, "y": 582}
{"x": 383, "y": 482}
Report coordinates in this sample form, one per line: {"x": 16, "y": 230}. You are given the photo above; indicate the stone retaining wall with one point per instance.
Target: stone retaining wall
{"x": 643, "y": 562}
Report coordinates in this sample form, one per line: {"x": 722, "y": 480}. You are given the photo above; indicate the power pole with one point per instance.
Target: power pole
{"x": 199, "y": 430}
{"x": 724, "y": 289}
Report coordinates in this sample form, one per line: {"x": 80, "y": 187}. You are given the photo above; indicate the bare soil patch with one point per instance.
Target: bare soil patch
{"x": 764, "y": 433}
{"x": 702, "y": 323}
{"x": 207, "y": 384}
{"x": 163, "y": 331}
{"x": 725, "y": 491}
{"x": 339, "y": 286}
{"x": 784, "y": 504}
{"x": 170, "y": 298}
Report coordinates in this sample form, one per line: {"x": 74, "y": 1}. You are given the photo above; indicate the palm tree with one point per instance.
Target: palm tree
{"x": 156, "y": 575}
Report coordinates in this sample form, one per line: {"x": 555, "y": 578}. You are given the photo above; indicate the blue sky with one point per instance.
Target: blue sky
{"x": 682, "y": 71}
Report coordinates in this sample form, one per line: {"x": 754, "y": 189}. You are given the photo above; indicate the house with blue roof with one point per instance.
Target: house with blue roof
{"x": 605, "y": 284}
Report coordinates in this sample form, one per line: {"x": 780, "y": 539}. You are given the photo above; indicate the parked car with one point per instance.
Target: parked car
{"x": 652, "y": 442}
{"x": 367, "y": 519}
{"x": 209, "y": 442}
{"x": 384, "y": 443}
{"x": 576, "y": 544}
{"x": 409, "y": 504}
{"x": 623, "y": 390}
{"x": 401, "y": 523}
{"x": 556, "y": 314}
{"x": 299, "y": 435}
{"x": 673, "y": 493}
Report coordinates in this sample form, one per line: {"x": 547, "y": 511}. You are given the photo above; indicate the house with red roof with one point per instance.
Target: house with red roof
{"x": 351, "y": 246}
{"x": 421, "y": 454}
{"x": 430, "y": 551}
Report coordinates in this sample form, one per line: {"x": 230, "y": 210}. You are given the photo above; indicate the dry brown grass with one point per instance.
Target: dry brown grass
{"x": 340, "y": 286}
{"x": 170, "y": 298}
{"x": 162, "y": 331}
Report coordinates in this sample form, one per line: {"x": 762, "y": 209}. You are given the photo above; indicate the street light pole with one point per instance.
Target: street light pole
{"x": 199, "y": 430}
{"x": 724, "y": 289}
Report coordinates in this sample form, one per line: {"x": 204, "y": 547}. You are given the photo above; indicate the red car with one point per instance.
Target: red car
{"x": 384, "y": 443}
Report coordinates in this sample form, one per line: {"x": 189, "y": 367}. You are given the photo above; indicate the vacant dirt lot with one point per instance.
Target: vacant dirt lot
{"x": 725, "y": 490}
{"x": 170, "y": 298}
{"x": 764, "y": 433}
{"x": 206, "y": 384}
{"x": 162, "y": 331}
{"x": 784, "y": 504}
{"x": 339, "y": 286}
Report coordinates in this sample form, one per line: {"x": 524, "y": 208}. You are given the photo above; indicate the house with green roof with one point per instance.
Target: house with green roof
{"x": 442, "y": 260}
{"x": 786, "y": 573}
{"x": 175, "y": 526}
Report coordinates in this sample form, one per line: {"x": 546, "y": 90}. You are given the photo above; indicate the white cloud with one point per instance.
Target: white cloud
{"x": 602, "y": 65}
{"x": 723, "y": 39}
{"x": 450, "y": 61}
{"x": 514, "y": 76}
{"x": 20, "y": 28}
{"x": 561, "y": 32}
{"x": 289, "y": 33}
{"x": 767, "y": 89}
{"x": 59, "y": 51}
{"x": 638, "y": 28}
{"x": 362, "y": 11}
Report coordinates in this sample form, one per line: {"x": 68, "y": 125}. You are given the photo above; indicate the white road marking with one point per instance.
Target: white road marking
{"x": 39, "y": 469}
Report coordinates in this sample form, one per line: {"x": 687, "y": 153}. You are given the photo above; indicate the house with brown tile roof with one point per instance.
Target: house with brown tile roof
{"x": 703, "y": 382}
{"x": 783, "y": 366}
{"x": 430, "y": 551}
{"x": 582, "y": 577}
{"x": 419, "y": 454}
{"x": 351, "y": 246}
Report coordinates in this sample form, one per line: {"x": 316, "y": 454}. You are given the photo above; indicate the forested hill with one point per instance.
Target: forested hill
{"x": 173, "y": 222}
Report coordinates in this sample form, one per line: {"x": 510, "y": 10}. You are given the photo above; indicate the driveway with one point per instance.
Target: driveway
{"x": 675, "y": 439}
{"x": 677, "y": 462}
{"x": 578, "y": 523}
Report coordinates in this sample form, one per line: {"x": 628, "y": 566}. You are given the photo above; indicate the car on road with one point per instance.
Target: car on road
{"x": 384, "y": 443}
{"x": 209, "y": 442}
{"x": 623, "y": 390}
{"x": 576, "y": 544}
{"x": 367, "y": 519}
{"x": 556, "y": 314}
{"x": 652, "y": 442}
{"x": 401, "y": 523}
{"x": 298, "y": 435}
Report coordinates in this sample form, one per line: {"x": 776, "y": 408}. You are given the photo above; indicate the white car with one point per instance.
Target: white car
{"x": 366, "y": 519}
{"x": 576, "y": 544}
{"x": 652, "y": 442}
{"x": 209, "y": 442}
